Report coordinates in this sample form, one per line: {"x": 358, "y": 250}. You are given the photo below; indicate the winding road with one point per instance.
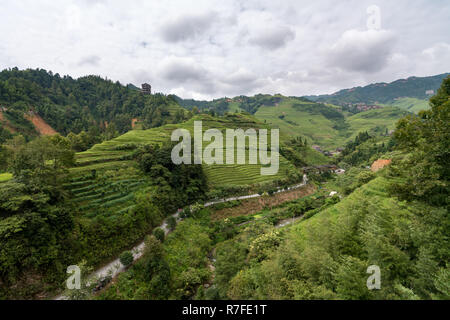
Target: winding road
{"x": 115, "y": 267}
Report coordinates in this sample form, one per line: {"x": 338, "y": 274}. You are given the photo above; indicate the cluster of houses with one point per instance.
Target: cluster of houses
{"x": 361, "y": 106}
{"x": 323, "y": 168}
{"x": 336, "y": 152}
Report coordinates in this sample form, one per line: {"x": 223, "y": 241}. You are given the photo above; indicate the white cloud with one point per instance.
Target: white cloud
{"x": 362, "y": 51}
{"x": 187, "y": 27}
{"x": 440, "y": 51}
{"x": 273, "y": 37}
{"x": 219, "y": 48}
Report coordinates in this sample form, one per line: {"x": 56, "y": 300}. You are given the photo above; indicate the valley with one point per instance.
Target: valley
{"x": 353, "y": 189}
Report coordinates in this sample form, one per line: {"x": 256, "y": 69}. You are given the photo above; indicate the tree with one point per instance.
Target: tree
{"x": 159, "y": 234}
{"x": 126, "y": 258}
{"x": 157, "y": 271}
{"x": 426, "y": 139}
{"x": 171, "y": 223}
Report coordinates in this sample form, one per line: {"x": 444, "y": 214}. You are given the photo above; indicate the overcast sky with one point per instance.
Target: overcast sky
{"x": 209, "y": 49}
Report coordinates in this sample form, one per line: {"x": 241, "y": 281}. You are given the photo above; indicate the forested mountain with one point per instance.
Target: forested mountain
{"x": 74, "y": 105}
{"x": 239, "y": 103}
{"x": 385, "y": 93}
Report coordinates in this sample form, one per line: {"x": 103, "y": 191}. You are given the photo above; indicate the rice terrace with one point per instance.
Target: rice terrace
{"x": 244, "y": 159}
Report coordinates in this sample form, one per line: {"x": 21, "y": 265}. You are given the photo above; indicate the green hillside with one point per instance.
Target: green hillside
{"x": 374, "y": 121}
{"x": 299, "y": 118}
{"x": 410, "y": 104}
{"x": 327, "y": 255}
{"x": 75, "y": 105}
{"x": 117, "y": 153}
{"x": 106, "y": 177}
{"x": 412, "y": 87}
{"x": 326, "y": 125}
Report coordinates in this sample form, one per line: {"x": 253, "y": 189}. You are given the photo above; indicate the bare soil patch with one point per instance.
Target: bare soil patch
{"x": 41, "y": 126}
{"x": 254, "y": 205}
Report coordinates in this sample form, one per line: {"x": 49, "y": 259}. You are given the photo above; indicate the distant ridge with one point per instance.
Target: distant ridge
{"x": 385, "y": 93}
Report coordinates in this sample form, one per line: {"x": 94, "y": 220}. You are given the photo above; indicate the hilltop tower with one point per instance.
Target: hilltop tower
{"x": 146, "y": 88}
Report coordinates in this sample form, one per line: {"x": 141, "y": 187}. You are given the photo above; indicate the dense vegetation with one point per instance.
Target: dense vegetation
{"x": 326, "y": 256}
{"x": 365, "y": 149}
{"x": 394, "y": 219}
{"x": 414, "y": 87}
{"x": 239, "y": 103}
{"x": 43, "y": 230}
{"x": 59, "y": 208}
{"x": 74, "y": 105}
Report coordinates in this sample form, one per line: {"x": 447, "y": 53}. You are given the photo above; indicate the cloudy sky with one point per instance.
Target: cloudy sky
{"x": 208, "y": 49}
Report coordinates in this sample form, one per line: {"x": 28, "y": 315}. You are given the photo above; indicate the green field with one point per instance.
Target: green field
{"x": 377, "y": 120}
{"x": 410, "y": 104}
{"x": 106, "y": 177}
{"x": 297, "y": 122}
{"x": 109, "y": 193}
{"x": 5, "y": 177}
{"x": 326, "y": 125}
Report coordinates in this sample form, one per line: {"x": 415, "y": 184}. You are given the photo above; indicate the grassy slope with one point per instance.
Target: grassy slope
{"x": 315, "y": 127}
{"x": 5, "y": 177}
{"x": 367, "y": 121}
{"x": 321, "y": 130}
{"x": 111, "y": 192}
{"x": 375, "y": 190}
{"x": 411, "y": 104}
{"x": 217, "y": 174}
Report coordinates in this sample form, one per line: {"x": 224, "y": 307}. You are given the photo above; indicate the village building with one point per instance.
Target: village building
{"x": 321, "y": 168}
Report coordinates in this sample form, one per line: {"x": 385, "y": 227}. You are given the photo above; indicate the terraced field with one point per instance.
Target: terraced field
{"x": 298, "y": 122}
{"x": 108, "y": 192}
{"x": 385, "y": 118}
{"x": 118, "y": 152}
{"x": 105, "y": 178}
{"x": 295, "y": 117}
{"x": 411, "y": 104}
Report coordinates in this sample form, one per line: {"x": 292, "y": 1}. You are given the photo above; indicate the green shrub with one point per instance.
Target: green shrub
{"x": 159, "y": 234}
{"x": 126, "y": 258}
{"x": 171, "y": 223}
